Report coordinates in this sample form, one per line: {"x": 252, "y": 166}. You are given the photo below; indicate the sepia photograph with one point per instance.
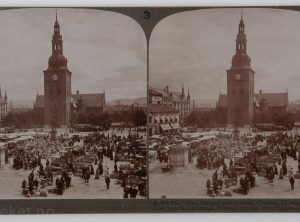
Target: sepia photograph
{"x": 224, "y": 104}
{"x": 73, "y": 102}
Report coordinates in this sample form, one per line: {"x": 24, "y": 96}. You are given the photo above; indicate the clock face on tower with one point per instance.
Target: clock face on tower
{"x": 237, "y": 76}
{"x": 54, "y": 77}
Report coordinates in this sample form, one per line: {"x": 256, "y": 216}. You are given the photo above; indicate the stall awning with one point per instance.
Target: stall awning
{"x": 165, "y": 127}
{"x": 175, "y": 125}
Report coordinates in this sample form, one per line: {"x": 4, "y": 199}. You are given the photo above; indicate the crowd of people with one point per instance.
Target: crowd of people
{"x": 239, "y": 164}
{"x": 270, "y": 161}
{"x": 89, "y": 157}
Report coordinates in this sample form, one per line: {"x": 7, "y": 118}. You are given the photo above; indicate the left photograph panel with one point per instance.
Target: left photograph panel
{"x": 73, "y": 101}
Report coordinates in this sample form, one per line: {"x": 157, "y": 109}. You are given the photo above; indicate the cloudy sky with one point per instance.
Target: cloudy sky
{"x": 195, "y": 48}
{"x": 105, "y": 50}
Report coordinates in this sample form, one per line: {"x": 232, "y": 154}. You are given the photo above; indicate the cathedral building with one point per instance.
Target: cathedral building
{"x": 58, "y": 103}
{"x": 241, "y": 102}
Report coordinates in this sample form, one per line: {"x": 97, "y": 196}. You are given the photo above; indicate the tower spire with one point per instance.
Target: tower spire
{"x": 242, "y": 13}
{"x": 57, "y": 59}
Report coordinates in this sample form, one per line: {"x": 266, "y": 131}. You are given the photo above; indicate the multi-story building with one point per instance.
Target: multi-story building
{"x": 162, "y": 119}
{"x": 172, "y": 99}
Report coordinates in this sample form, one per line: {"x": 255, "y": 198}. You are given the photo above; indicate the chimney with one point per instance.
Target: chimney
{"x": 260, "y": 91}
{"x": 77, "y": 92}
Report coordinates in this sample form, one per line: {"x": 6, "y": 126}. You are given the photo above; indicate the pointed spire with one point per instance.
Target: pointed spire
{"x": 5, "y": 96}
{"x": 242, "y": 13}
{"x": 0, "y": 92}
{"x": 182, "y": 90}
{"x": 56, "y": 24}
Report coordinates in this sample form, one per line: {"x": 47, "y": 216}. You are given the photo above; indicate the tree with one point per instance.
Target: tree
{"x": 284, "y": 119}
{"x": 204, "y": 119}
{"x": 262, "y": 118}
{"x": 20, "y": 120}
{"x": 140, "y": 118}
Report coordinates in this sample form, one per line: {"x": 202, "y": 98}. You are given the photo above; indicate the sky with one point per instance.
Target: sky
{"x": 196, "y": 47}
{"x": 105, "y": 51}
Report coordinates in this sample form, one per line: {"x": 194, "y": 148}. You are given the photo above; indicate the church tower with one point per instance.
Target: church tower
{"x": 240, "y": 84}
{"x": 57, "y": 84}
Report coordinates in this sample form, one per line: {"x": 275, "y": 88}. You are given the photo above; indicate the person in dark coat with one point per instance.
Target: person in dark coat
{"x": 208, "y": 184}
{"x": 92, "y": 169}
{"x": 292, "y": 182}
{"x": 87, "y": 176}
{"x": 31, "y": 176}
{"x": 284, "y": 169}
{"x": 68, "y": 181}
{"x": 279, "y": 161}
{"x": 100, "y": 167}
{"x": 275, "y": 169}
{"x": 83, "y": 172}
{"x": 116, "y": 168}
{"x": 280, "y": 174}
{"x": 271, "y": 177}
{"x": 126, "y": 191}
{"x": 24, "y": 184}
{"x": 107, "y": 181}
{"x": 30, "y": 184}
{"x": 123, "y": 182}
{"x": 36, "y": 184}
{"x": 134, "y": 192}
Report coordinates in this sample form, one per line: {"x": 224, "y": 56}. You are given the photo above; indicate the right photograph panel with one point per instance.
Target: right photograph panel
{"x": 224, "y": 104}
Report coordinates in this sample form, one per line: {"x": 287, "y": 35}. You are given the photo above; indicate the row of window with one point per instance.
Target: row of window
{"x": 163, "y": 120}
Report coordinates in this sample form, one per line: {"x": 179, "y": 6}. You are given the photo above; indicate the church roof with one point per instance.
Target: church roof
{"x": 90, "y": 100}
{"x": 154, "y": 92}
{"x": 273, "y": 99}
{"x": 158, "y": 92}
{"x": 222, "y": 101}
{"x": 39, "y": 102}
